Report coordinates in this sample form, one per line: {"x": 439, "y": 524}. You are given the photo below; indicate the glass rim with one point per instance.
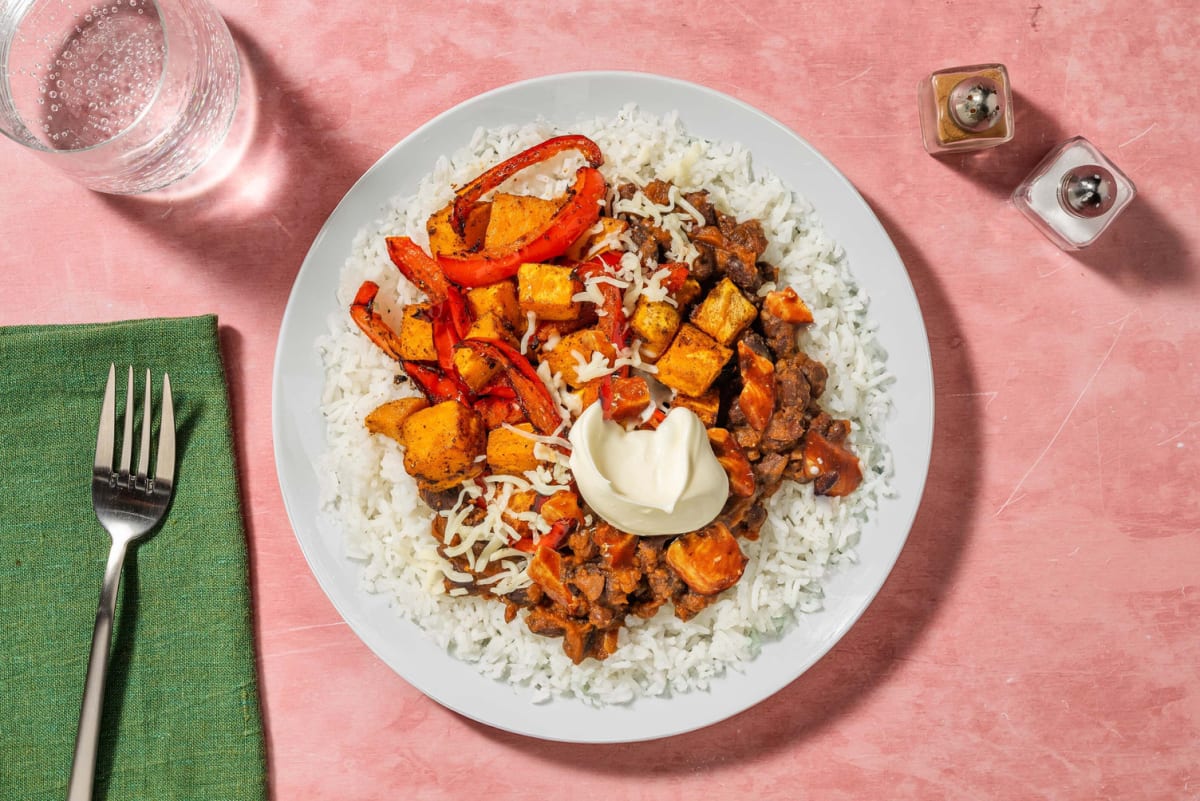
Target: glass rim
{"x": 34, "y": 143}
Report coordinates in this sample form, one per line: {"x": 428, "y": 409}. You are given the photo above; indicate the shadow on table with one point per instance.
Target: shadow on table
{"x": 249, "y": 217}
{"x": 1141, "y": 251}
{"x": 893, "y": 624}
{"x": 1000, "y": 169}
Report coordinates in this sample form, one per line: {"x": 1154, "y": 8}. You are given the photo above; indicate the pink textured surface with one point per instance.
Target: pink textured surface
{"x": 1040, "y": 635}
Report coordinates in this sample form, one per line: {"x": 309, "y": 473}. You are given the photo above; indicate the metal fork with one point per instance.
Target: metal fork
{"x": 128, "y": 505}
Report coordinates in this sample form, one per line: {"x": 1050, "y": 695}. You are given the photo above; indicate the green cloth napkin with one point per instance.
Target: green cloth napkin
{"x": 181, "y": 710}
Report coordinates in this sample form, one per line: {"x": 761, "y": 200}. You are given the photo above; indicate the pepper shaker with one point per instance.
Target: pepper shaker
{"x": 965, "y": 108}
{"x": 1074, "y": 194}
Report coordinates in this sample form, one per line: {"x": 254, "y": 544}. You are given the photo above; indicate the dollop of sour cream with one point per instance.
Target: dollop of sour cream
{"x": 666, "y": 481}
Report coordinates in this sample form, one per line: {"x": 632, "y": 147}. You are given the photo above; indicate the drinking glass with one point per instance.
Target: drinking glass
{"x": 124, "y": 96}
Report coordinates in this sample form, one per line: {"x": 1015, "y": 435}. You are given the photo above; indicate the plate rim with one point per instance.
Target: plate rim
{"x": 353, "y": 616}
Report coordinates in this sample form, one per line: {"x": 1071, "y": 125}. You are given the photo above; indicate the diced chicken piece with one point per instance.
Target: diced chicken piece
{"x": 834, "y": 470}
{"x": 629, "y": 398}
{"x": 787, "y": 306}
{"x": 709, "y": 561}
{"x": 729, "y": 453}
{"x": 757, "y": 398}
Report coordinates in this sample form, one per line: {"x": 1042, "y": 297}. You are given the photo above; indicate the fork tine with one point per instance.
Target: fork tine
{"x": 164, "y": 467}
{"x": 127, "y": 439}
{"x": 144, "y": 450}
{"x": 108, "y": 421}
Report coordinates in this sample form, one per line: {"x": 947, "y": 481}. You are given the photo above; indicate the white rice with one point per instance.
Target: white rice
{"x": 387, "y": 527}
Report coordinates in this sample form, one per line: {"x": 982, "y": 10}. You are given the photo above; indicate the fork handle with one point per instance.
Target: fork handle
{"x": 83, "y": 768}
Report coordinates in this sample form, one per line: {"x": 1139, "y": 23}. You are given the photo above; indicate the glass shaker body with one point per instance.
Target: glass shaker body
{"x": 1074, "y": 194}
{"x": 965, "y": 108}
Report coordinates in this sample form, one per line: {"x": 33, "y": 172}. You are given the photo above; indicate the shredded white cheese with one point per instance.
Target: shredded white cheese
{"x": 530, "y": 327}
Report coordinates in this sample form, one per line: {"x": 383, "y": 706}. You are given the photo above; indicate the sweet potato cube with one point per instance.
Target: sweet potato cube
{"x": 513, "y": 216}
{"x": 706, "y": 407}
{"x": 388, "y": 418}
{"x": 565, "y": 357}
{"x": 724, "y": 313}
{"x": 546, "y": 290}
{"x": 416, "y": 334}
{"x": 444, "y": 239}
{"x": 589, "y": 393}
{"x": 693, "y": 361}
{"x": 600, "y": 238}
{"x": 500, "y": 299}
{"x": 476, "y": 369}
{"x": 510, "y": 452}
{"x": 708, "y": 560}
{"x": 442, "y": 443}
{"x": 687, "y": 293}
{"x": 655, "y": 323}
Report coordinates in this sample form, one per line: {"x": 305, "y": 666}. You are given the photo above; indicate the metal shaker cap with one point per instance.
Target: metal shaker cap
{"x": 1088, "y": 190}
{"x": 975, "y": 103}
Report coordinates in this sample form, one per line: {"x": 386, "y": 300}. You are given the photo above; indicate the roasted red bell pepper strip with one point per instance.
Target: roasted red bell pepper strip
{"x": 614, "y": 323}
{"x": 444, "y": 340}
{"x": 496, "y": 410}
{"x": 551, "y": 539}
{"x": 433, "y": 383}
{"x": 677, "y": 274}
{"x": 456, "y": 307}
{"x": 469, "y": 195}
{"x": 415, "y": 265}
{"x": 498, "y": 389}
{"x": 578, "y": 212}
{"x": 606, "y": 396}
{"x": 531, "y": 393}
{"x": 362, "y": 311}
{"x": 451, "y": 322}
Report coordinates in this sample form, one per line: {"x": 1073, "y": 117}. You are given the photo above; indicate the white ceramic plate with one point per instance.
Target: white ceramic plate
{"x": 299, "y": 430}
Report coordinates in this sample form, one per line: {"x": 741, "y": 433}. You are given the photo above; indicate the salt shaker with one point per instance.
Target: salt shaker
{"x": 965, "y": 108}
{"x": 1074, "y": 194}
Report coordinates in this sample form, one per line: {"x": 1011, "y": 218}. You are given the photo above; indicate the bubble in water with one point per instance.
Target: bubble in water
{"x": 41, "y": 101}
{"x": 53, "y": 94}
